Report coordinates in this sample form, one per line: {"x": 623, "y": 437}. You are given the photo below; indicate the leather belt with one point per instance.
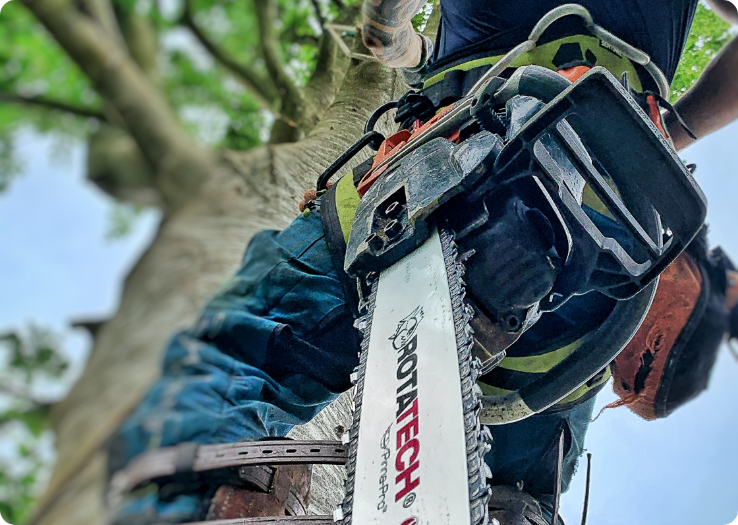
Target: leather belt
{"x": 192, "y": 458}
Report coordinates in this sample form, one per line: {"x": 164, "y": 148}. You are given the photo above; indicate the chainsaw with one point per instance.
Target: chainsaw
{"x": 418, "y": 440}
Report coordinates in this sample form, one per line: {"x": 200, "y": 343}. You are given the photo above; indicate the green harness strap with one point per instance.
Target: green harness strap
{"x": 545, "y": 54}
{"x": 347, "y": 201}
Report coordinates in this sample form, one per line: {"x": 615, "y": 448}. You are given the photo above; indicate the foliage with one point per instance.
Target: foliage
{"x": 193, "y": 79}
{"x": 29, "y": 363}
{"x": 212, "y": 102}
{"x": 32, "y": 65}
{"x": 708, "y": 34}
{"x": 122, "y": 218}
{"x": 421, "y": 19}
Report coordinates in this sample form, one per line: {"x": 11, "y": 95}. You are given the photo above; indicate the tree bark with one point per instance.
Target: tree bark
{"x": 197, "y": 247}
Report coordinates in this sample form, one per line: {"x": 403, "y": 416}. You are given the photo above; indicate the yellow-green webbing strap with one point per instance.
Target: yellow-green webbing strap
{"x": 540, "y": 364}
{"x": 347, "y": 201}
{"x": 544, "y": 54}
{"x": 576, "y": 395}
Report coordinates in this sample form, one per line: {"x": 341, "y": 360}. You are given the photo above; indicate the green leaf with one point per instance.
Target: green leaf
{"x": 421, "y": 19}
{"x": 6, "y": 511}
{"x": 35, "y": 419}
{"x": 122, "y": 218}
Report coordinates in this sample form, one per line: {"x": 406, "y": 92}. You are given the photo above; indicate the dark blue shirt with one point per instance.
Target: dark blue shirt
{"x": 471, "y": 27}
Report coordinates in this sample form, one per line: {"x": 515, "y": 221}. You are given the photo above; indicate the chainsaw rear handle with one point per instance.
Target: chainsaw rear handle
{"x": 372, "y": 139}
{"x": 630, "y": 166}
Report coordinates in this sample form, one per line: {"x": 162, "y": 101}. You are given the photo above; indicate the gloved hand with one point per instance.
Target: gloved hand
{"x": 514, "y": 263}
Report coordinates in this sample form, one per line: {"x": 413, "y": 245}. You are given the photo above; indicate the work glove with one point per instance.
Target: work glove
{"x": 513, "y": 266}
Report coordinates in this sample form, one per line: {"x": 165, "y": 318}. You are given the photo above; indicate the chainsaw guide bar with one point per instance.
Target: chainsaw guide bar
{"x": 422, "y": 445}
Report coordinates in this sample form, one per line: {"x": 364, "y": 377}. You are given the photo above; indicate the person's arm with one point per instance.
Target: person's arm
{"x": 389, "y": 34}
{"x": 712, "y": 102}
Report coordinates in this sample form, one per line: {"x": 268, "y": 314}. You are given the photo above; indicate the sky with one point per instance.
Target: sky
{"x": 56, "y": 266}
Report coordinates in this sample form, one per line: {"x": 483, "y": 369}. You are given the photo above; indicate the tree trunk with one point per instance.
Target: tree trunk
{"x": 198, "y": 246}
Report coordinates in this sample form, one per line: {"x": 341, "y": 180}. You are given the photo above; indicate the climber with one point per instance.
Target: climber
{"x": 277, "y": 344}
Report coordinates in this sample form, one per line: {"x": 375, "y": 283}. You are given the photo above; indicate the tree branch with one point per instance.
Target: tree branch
{"x": 179, "y": 163}
{"x": 324, "y": 83}
{"x": 56, "y": 105}
{"x": 290, "y": 35}
{"x": 141, "y": 39}
{"x": 365, "y": 86}
{"x": 330, "y": 69}
{"x": 320, "y": 16}
{"x": 260, "y": 87}
{"x": 116, "y": 166}
{"x": 339, "y": 4}
{"x": 292, "y": 98}
{"x": 102, "y": 11}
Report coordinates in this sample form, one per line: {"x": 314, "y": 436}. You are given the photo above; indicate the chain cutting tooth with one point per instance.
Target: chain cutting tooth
{"x": 487, "y": 471}
{"x": 469, "y": 371}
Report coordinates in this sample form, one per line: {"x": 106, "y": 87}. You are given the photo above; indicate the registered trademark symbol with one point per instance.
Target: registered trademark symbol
{"x": 409, "y": 500}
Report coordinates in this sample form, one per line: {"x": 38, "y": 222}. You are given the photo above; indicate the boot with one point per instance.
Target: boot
{"x": 284, "y": 491}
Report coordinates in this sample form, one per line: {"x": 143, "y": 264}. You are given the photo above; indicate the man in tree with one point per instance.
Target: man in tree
{"x": 276, "y": 344}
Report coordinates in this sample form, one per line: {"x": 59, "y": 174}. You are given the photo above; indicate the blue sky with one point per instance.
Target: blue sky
{"x": 56, "y": 266}
{"x": 680, "y": 470}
